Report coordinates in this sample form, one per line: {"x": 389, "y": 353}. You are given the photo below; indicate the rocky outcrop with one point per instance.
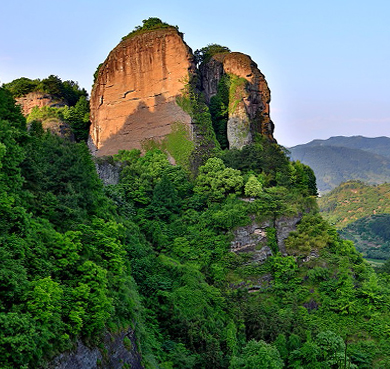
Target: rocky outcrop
{"x": 134, "y": 96}
{"x": 108, "y": 172}
{"x": 120, "y": 351}
{"x": 40, "y": 99}
{"x": 249, "y": 99}
{"x": 284, "y": 226}
{"x": 253, "y": 237}
{"x": 58, "y": 127}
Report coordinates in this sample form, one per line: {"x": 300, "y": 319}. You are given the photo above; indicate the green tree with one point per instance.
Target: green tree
{"x": 253, "y": 187}
{"x": 204, "y": 54}
{"x": 21, "y": 86}
{"x": 165, "y": 202}
{"x": 78, "y": 118}
{"x": 258, "y": 354}
{"x": 216, "y": 181}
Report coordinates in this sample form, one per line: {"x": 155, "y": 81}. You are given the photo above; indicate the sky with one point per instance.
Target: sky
{"x": 326, "y": 62}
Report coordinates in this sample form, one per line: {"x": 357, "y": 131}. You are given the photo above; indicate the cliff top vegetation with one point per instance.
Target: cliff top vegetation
{"x": 204, "y": 54}
{"x": 150, "y": 24}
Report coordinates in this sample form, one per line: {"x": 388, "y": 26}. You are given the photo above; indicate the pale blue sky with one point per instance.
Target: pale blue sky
{"x": 326, "y": 62}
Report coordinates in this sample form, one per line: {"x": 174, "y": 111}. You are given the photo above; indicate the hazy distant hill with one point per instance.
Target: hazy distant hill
{"x": 362, "y": 214}
{"x": 340, "y": 159}
{"x": 377, "y": 145}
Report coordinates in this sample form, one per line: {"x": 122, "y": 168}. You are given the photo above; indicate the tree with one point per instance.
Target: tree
{"x": 204, "y": 54}
{"x": 257, "y": 354}
{"x": 253, "y": 186}
{"x": 78, "y": 118}
{"x": 304, "y": 178}
{"x": 21, "y": 86}
{"x": 165, "y": 202}
{"x": 216, "y": 181}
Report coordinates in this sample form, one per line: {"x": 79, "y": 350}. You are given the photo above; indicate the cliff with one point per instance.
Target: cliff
{"x": 116, "y": 351}
{"x": 134, "y": 96}
{"x": 249, "y": 96}
{"x": 40, "y": 99}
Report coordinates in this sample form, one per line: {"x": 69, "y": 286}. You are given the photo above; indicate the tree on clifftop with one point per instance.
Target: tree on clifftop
{"x": 204, "y": 54}
{"x": 149, "y": 25}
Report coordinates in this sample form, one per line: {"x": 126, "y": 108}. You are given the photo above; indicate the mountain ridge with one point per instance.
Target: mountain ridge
{"x": 340, "y": 159}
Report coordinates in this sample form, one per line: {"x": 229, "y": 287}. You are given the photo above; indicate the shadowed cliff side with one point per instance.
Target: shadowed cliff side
{"x": 249, "y": 96}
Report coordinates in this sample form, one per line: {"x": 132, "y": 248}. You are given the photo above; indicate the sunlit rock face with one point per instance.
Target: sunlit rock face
{"x": 39, "y": 99}
{"x": 134, "y": 96}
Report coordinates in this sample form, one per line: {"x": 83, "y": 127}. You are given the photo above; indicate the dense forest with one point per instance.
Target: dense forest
{"x": 153, "y": 252}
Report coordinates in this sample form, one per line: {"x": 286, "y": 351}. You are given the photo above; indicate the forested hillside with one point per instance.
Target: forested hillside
{"x": 361, "y": 213}
{"x": 341, "y": 159}
{"x": 371, "y": 236}
{"x": 153, "y": 254}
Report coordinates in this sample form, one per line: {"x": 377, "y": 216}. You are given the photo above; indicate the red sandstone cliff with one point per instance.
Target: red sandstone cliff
{"x": 134, "y": 96}
{"x": 40, "y": 99}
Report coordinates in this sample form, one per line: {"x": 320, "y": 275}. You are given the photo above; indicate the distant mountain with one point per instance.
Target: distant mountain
{"x": 361, "y": 213}
{"x": 377, "y": 145}
{"x": 340, "y": 159}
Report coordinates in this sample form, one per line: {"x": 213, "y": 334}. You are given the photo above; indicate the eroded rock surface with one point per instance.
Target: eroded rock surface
{"x": 108, "y": 172}
{"x": 120, "y": 351}
{"x": 249, "y": 111}
{"x": 134, "y": 96}
{"x": 253, "y": 237}
{"x": 40, "y": 99}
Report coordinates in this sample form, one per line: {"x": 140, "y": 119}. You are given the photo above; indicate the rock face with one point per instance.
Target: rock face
{"x": 58, "y": 127}
{"x": 40, "y": 99}
{"x": 120, "y": 351}
{"x": 253, "y": 237}
{"x": 108, "y": 172}
{"x": 249, "y": 98}
{"x": 134, "y": 96}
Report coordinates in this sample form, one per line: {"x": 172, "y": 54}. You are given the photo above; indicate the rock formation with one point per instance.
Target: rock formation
{"x": 134, "y": 96}
{"x": 135, "y": 93}
{"x": 113, "y": 353}
{"x": 249, "y": 96}
{"x": 40, "y": 99}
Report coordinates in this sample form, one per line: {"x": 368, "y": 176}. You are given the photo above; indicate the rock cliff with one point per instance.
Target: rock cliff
{"x": 117, "y": 351}
{"x": 253, "y": 237}
{"x": 134, "y": 96}
{"x": 249, "y": 96}
{"x": 136, "y": 89}
{"x": 40, "y": 99}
